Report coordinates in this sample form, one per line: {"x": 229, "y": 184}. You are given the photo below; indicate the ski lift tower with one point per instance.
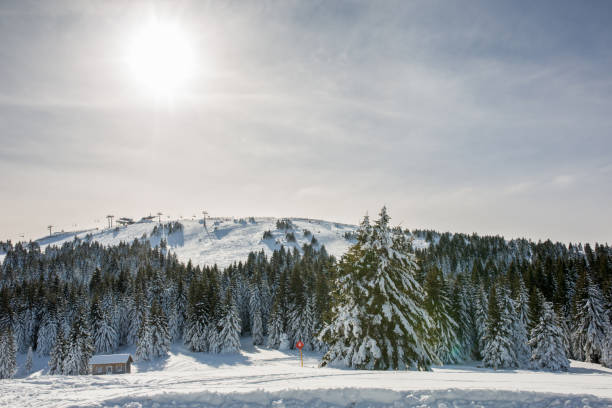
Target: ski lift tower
{"x": 159, "y": 214}
{"x": 110, "y": 221}
{"x": 50, "y": 227}
{"x": 204, "y": 214}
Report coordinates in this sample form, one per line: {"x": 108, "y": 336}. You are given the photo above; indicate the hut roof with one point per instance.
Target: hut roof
{"x": 110, "y": 359}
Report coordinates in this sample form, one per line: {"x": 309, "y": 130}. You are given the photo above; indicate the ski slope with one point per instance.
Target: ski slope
{"x": 271, "y": 378}
{"x": 224, "y": 240}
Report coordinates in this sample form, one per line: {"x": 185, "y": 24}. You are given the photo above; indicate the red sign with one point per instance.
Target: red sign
{"x": 299, "y": 344}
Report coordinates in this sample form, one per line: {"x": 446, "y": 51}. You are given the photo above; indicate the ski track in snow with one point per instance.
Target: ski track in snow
{"x": 230, "y": 242}
{"x": 262, "y": 377}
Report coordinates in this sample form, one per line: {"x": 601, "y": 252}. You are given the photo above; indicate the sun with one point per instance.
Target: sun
{"x": 160, "y": 57}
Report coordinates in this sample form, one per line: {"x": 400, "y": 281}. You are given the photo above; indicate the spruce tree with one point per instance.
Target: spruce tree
{"x": 379, "y": 321}
{"x": 547, "y": 343}
{"x": 255, "y": 305}
{"x": 499, "y": 350}
{"x": 104, "y": 334}
{"x": 520, "y": 323}
{"x": 591, "y": 326}
{"x": 79, "y": 348}
{"x": 606, "y": 359}
{"x": 199, "y": 327}
{"x": 47, "y": 334}
{"x": 160, "y": 338}
{"x": 229, "y": 335}
{"x": 443, "y": 333}
{"x": 257, "y": 328}
{"x": 275, "y": 328}
{"x": 482, "y": 313}
{"x": 144, "y": 346}
{"x": 58, "y": 354}
{"x": 8, "y": 354}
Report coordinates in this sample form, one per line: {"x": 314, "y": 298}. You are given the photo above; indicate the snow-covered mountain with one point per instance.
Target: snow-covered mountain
{"x": 221, "y": 240}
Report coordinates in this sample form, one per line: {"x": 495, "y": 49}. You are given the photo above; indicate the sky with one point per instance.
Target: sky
{"x": 474, "y": 116}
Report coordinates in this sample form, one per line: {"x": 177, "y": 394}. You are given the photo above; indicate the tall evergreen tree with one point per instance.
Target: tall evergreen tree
{"x": 144, "y": 346}
{"x": 275, "y": 327}
{"x": 379, "y": 321}
{"x": 8, "y": 354}
{"x": 255, "y": 305}
{"x": 229, "y": 335}
{"x": 520, "y": 322}
{"x": 47, "y": 333}
{"x": 104, "y": 334}
{"x": 79, "y": 348}
{"x": 443, "y": 332}
{"x": 160, "y": 338}
{"x": 58, "y": 354}
{"x": 499, "y": 350}
{"x": 547, "y": 343}
{"x": 591, "y": 326}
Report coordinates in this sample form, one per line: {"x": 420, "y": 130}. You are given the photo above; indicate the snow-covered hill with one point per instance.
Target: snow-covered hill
{"x": 223, "y": 241}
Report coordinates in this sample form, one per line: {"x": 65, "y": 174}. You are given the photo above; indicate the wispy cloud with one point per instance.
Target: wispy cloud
{"x": 460, "y": 116}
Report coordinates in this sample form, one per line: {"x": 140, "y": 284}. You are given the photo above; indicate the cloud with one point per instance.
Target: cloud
{"x": 564, "y": 180}
{"x": 458, "y": 116}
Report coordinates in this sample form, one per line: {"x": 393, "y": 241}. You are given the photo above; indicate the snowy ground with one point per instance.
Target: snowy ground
{"x": 262, "y": 377}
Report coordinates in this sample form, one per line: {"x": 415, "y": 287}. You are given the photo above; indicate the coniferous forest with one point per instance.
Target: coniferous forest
{"x": 383, "y": 305}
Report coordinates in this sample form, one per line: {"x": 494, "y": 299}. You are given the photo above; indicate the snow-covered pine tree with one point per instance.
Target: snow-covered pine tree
{"x": 443, "y": 332}
{"x": 591, "y": 325}
{"x": 230, "y": 324}
{"x": 297, "y": 328}
{"x": 499, "y": 351}
{"x": 275, "y": 328}
{"x": 520, "y": 323}
{"x": 104, "y": 334}
{"x": 47, "y": 333}
{"x": 196, "y": 334}
{"x": 136, "y": 308}
{"x": 255, "y": 305}
{"x": 176, "y": 320}
{"x": 144, "y": 345}
{"x": 548, "y": 350}
{"x": 28, "y": 362}
{"x": 160, "y": 338}
{"x": 464, "y": 301}
{"x": 58, "y": 354}
{"x": 607, "y": 353}
{"x": 481, "y": 308}
{"x": 80, "y": 347}
{"x": 257, "y": 328}
{"x": 379, "y": 321}
{"x": 124, "y": 310}
{"x": 309, "y": 325}
{"x": 8, "y": 354}
{"x": 212, "y": 337}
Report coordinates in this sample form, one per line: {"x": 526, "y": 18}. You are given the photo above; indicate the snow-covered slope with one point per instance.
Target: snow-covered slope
{"x": 263, "y": 377}
{"x": 224, "y": 241}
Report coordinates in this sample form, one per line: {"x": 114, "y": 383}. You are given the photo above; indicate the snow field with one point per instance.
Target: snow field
{"x": 263, "y": 377}
{"x": 362, "y": 398}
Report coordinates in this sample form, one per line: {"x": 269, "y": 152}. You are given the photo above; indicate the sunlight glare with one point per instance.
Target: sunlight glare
{"x": 161, "y": 58}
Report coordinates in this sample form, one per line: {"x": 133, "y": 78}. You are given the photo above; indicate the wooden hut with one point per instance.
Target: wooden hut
{"x": 111, "y": 364}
